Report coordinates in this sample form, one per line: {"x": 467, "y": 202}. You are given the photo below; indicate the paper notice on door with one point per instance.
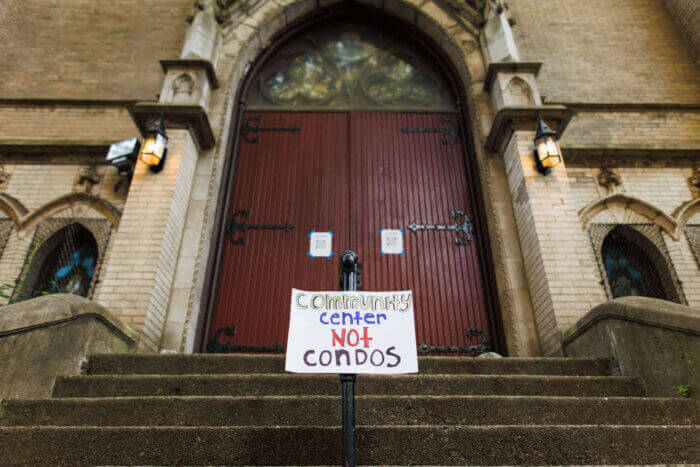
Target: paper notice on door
{"x": 392, "y": 241}
{"x": 320, "y": 244}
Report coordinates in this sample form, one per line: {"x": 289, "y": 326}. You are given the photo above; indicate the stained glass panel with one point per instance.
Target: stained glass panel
{"x": 629, "y": 269}
{"x": 350, "y": 66}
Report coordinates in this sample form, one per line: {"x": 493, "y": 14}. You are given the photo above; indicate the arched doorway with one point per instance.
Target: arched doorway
{"x": 351, "y": 125}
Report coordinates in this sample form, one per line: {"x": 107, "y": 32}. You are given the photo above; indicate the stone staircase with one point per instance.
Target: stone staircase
{"x": 243, "y": 409}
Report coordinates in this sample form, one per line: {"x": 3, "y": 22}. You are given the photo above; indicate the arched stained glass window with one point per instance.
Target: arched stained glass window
{"x": 350, "y": 66}
{"x": 64, "y": 262}
{"x": 628, "y": 266}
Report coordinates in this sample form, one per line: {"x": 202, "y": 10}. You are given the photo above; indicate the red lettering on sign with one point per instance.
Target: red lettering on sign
{"x": 365, "y": 337}
{"x": 340, "y": 339}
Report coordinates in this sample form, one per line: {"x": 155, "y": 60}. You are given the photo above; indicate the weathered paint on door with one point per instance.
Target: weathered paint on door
{"x": 353, "y": 174}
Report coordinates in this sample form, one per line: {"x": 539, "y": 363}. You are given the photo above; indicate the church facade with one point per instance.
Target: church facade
{"x": 406, "y": 130}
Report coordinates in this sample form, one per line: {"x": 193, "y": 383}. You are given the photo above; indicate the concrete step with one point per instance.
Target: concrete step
{"x": 290, "y": 384}
{"x": 435, "y": 445}
{"x": 179, "y": 364}
{"x": 325, "y": 411}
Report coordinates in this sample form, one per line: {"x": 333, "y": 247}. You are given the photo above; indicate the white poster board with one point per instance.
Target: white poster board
{"x": 352, "y": 332}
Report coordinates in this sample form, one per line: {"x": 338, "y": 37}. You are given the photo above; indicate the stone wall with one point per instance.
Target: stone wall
{"x": 606, "y": 51}
{"x": 686, "y": 13}
{"x": 89, "y": 50}
{"x": 52, "y": 336}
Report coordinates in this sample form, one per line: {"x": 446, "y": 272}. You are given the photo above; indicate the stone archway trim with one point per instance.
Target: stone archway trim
{"x": 672, "y": 225}
{"x": 22, "y": 218}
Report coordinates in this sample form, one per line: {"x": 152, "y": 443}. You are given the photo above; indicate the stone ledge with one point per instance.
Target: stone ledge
{"x": 51, "y": 310}
{"x": 512, "y": 118}
{"x": 509, "y": 67}
{"x": 192, "y": 117}
{"x": 13, "y": 149}
{"x": 641, "y": 310}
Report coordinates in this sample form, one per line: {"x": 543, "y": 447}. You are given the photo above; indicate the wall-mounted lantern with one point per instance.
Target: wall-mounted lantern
{"x": 123, "y": 155}
{"x": 547, "y": 149}
{"x": 154, "y": 150}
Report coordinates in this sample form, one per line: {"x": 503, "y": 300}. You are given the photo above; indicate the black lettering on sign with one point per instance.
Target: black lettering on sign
{"x": 371, "y": 358}
{"x": 392, "y": 354}
{"x": 357, "y": 357}
{"x": 341, "y": 353}
{"x": 306, "y": 357}
{"x": 325, "y": 353}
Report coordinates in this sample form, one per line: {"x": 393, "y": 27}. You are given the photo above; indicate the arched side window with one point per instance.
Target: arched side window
{"x": 65, "y": 256}
{"x": 692, "y": 232}
{"x": 634, "y": 261}
{"x": 5, "y": 230}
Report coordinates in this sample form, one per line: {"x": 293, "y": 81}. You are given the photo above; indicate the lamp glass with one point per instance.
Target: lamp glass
{"x": 548, "y": 151}
{"x": 153, "y": 149}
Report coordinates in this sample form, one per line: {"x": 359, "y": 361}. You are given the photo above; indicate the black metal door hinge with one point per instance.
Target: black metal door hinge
{"x": 449, "y": 133}
{"x": 463, "y": 228}
{"x": 250, "y": 128}
{"x": 234, "y": 226}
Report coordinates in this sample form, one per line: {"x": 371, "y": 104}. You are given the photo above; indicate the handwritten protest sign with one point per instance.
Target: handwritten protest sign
{"x": 351, "y": 332}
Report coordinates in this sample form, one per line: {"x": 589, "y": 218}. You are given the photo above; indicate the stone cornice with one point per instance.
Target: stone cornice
{"x": 192, "y": 117}
{"x": 205, "y": 65}
{"x": 34, "y": 151}
{"x": 509, "y": 67}
{"x": 629, "y": 156}
{"x": 627, "y": 107}
{"x": 510, "y": 119}
{"x": 61, "y": 101}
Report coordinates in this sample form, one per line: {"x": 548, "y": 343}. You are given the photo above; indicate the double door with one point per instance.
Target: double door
{"x": 352, "y": 174}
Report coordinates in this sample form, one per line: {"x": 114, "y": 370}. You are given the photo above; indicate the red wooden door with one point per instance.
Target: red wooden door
{"x": 353, "y": 174}
{"x": 296, "y": 177}
{"x": 402, "y": 177}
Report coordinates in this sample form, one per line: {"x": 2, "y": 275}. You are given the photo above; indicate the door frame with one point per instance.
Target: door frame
{"x": 474, "y": 186}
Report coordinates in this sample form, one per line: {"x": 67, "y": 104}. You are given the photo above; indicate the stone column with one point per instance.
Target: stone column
{"x": 560, "y": 272}
{"x": 138, "y": 281}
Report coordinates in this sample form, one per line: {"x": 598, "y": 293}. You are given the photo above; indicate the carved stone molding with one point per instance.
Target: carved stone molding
{"x": 4, "y": 178}
{"x": 608, "y": 179}
{"x": 205, "y": 65}
{"x": 192, "y": 117}
{"x": 509, "y": 67}
{"x": 511, "y": 118}
{"x": 87, "y": 178}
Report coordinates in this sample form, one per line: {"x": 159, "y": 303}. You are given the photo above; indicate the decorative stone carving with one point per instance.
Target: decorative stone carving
{"x": 693, "y": 182}
{"x": 183, "y": 86}
{"x": 4, "y": 178}
{"x": 609, "y": 180}
{"x": 87, "y": 178}
{"x": 519, "y": 92}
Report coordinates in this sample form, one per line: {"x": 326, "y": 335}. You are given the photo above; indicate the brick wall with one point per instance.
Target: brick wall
{"x": 137, "y": 281}
{"x": 606, "y": 51}
{"x": 662, "y": 129}
{"x": 663, "y": 187}
{"x": 36, "y": 184}
{"x": 559, "y": 263}
{"x": 89, "y": 49}
{"x": 65, "y": 123}
{"x": 686, "y": 13}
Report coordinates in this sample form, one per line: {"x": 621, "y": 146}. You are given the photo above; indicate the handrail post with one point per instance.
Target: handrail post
{"x": 350, "y": 280}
